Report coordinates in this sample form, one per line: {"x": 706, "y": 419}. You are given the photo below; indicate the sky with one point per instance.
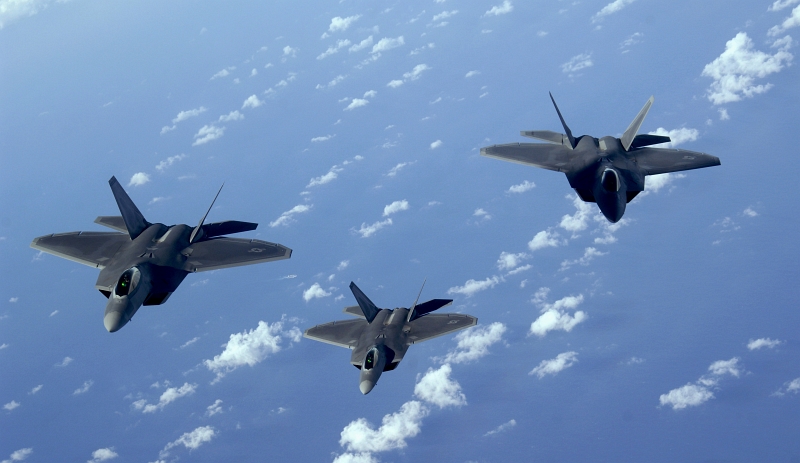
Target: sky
{"x": 350, "y": 131}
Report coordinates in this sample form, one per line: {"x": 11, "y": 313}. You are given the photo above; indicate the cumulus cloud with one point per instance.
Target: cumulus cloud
{"x": 387, "y": 43}
{"x": 781, "y": 4}
{"x": 368, "y": 230}
{"x": 508, "y": 261}
{"x": 678, "y": 136}
{"x": 214, "y": 408}
{"x": 657, "y": 182}
{"x": 482, "y": 214}
{"x": 139, "y": 179}
{"x": 415, "y": 73}
{"x": 252, "y": 101}
{"x": 191, "y": 440}
{"x": 287, "y": 217}
{"x": 11, "y": 405}
{"x": 289, "y": 52}
{"x": 756, "y": 344}
{"x": 522, "y": 187}
{"x": 578, "y": 221}
{"x": 699, "y": 392}
{"x": 396, "y": 206}
{"x": 394, "y": 170}
{"x": 183, "y": 115}
{"x": 65, "y": 362}
{"x": 223, "y": 73}
{"x": 321, "y": 139}
{"x": 170, "y": 395}
{"x": 36, "y": 389}
{"x": 502, "y": 428}
{"x": 336, "y": 80}
{"x": 315, "y": 292}
{"x": 473, "y": 286}
{"x": 436, "y": 387}
{"x": 83, "y": 389}
{"x": 611, "y": 8}
{"x": 208, "y": 133}
{"x": 750, "y": 212}
{"x": 734, "y": 71}
{"x": 555, "y": 316}
{"x": 553, "y": 366}
{"x": 342, "y": 265}
{"x": 332, "y": 175}
{"x": 472, "y": 74}
{"x": 231, "y": 116}
{"x": 792, "y": 21}
{"x": 356, "y": 103}
{"x": 333, "y": 49}
{"x": 577, "y": 62}
{"x": 366, "y": 43}
{"x": 162, "y": 166}
{"x": 503, "y": 8}
{"x": 251, "y": 347}
{"x": 473, "y": 343}
{"x": 546, "y": 239}
{"x": 588, "y": 255}
{"x": 792, "y": 386}
{"x": 21, "y": 454}
{"x": 436, "y": 144}
{"x": 339, "y": 24}
{"x": 103, "y": 455}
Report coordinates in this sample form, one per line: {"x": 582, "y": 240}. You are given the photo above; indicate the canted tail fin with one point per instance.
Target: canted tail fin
{"x": 197, "y": 232}
{"x": 134, "y": 220}
{"x": 369, "y": 309}
{"x": 564, "y": 124}
{"x": 630, "y": 132}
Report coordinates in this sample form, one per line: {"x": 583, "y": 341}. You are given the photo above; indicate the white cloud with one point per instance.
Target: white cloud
{"x": 659, "y": 181}
{"x": 472, "y": 73}
{"x": 208, "y": 133}
{"x": 315, "y": 292}
{"x": 83, "y": 389}
{"x": 522, "y": 187}
{"x": 394, "y": 83}
{"x": 223, "y": 73}
{"x": 734, "y": 71}
{"x": 19, "y": 455}
{"x": 690, "y": 395}
{"x": 472, "y": 286}
{"x": 190, "y": 342}
{"x": 611, "y": 8}
{"x": 13, "y": 300}
{"x": 252, "y": 102}
{"x": 356, "y": 103}
{"x": 339, "y": 24}
{"x": 387, "y": 43}
{"x": 183, "y": 115}
{"x": 11, "y": 405}
{"x": 578, "y": 221}
{"x": 170, "y": 395}
{"x": 792, "y": 386}
{"x": 324, "y": 138}
{"x": 577, "y": 62}
{"x": 333, "y": 49}
{"x": 368, "y": 230}
{"x": 342, "y": 265}
{"x": 36, "y": 389}
{"x": 722, "y": 367}
{"x": 169, "y": 161}
{"x": 251, "y": 347}
{"x": 370, "y": 94}
{"x": 336, "y": 80}
{"x": 474, "y": 343}
{"x": 545, "y": 239}
{"x": 360, "y": 437}
{"x": 482, "y": 214}
{"x": 723, "y": 114}
{"x": 437, "y": 388}
{"x": 139, "y": 179}
{"x": 3, "y": 346}
{"x": 289, "y": 51}
{"x": 103, "y": 455}
{"x": 327, "y": 178}
{"x": 750, "y": 212}
{"x": 502, "y": 428}
{"x": 436, "y": 144}
{"x": 792, "y": 21}
{"x": 415, "y": 73}
{"x": 756, "y": 344}
{"x": 555, "y": 316}
{"x": 396, "y": 206}
{"x": 503, "y": 8}
{"x": 678, "y": 136}
{"x": 630, "y": 41}
{"x": 553, "y": 366}
{"x": 214, "y": 408}
{"x": 394, "y": 170}
{"x": 444, "y": 15}
{"x": 781, "y": 4}
{"x": 588, "y": 255}
{"x": 231, "y": 116}
{"x": 508, "y": 261}
{"x": 191, "y": 440}
{"x": 286, "y": 217}
{"x": 361, "y": 45}
{"x": 65, "y": 362}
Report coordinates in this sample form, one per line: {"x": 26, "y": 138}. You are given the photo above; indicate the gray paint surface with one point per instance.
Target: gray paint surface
{"x": 379, "y": 338}
{"x": 144, "y": 263}
{"x": 609, "y": 171}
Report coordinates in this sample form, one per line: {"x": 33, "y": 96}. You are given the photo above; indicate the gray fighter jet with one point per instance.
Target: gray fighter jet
{"x": 145, "y": 263}
{"x": 380, "y": 337}
{"x": 608, "y": 171}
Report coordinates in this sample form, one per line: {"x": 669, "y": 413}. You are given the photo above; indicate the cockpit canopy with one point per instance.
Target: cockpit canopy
{"x": 372, "y": 359}
{"x": 127, "y": 282}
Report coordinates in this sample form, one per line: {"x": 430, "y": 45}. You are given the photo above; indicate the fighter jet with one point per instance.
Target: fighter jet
{"x": 608, "y": 171}
{"x": 146, "y": 262}
{"x": 380, "y": 337}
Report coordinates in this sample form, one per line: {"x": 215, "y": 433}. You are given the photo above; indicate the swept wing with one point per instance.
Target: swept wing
{"x": 217, "y": 253}
{"x": 662, "y": 160}
{"x": 88, "y": 248}
{"x": 438, "y": 324}
{"x": 545, "y": 155}
{"x": 343, "y": 333}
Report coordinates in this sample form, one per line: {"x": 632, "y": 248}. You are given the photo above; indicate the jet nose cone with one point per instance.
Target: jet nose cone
{"x": 113, "y": 321}
{"x": 366, "y": 386}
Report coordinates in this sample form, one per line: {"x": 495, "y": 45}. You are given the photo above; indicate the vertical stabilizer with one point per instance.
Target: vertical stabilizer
{"x": 134, "y": 220}
{"x": 564, "y": 124}
{"x": 196, "y": 235}
{"x": 369, "y": 309}
{"x": 411, "y": 310}
{"x": 630, "y": 133}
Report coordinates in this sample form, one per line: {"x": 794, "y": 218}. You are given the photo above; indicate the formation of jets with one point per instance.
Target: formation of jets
{"x": 143, "y": 263}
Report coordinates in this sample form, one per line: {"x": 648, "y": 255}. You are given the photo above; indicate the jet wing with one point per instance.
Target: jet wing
{"x": 662, "y": 160}
{"x": 438, "y": 324}
{"x": 217, "y": 253}
{"x": 344, "y": 333}
{"x": 88, "y": 248}
{"x": 544, "y": 155}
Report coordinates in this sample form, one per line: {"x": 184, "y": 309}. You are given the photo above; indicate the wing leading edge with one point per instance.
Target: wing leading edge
{"x": 88, "y": 248}
{"x": 438, "y": 324}
{"x": 343, "y": 333}
{"x": 544, "y": 155}
{"x": 662, "y": 160}
{"x": 217, "y": 253}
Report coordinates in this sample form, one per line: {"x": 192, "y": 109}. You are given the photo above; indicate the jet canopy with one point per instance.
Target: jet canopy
{"x": 127, "y": 282}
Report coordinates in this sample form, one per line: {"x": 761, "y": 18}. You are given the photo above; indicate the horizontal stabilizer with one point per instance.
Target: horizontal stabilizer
{"x": 135, "y": 223}
{"x": 112, "y": 221}
{"x": 354, "y": 310}
{"x": 546, "y": 135}
{"x": 647, "y": 140}
{"x": 226, "y": 228}
{"x": 369, "y": 309}
{"x": 420, "y": 310}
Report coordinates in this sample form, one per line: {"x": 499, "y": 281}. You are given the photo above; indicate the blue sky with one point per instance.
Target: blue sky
{"x": 350, "y": 132}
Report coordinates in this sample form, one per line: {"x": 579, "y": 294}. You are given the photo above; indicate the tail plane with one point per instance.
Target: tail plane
{"x": 134, "y": 220}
